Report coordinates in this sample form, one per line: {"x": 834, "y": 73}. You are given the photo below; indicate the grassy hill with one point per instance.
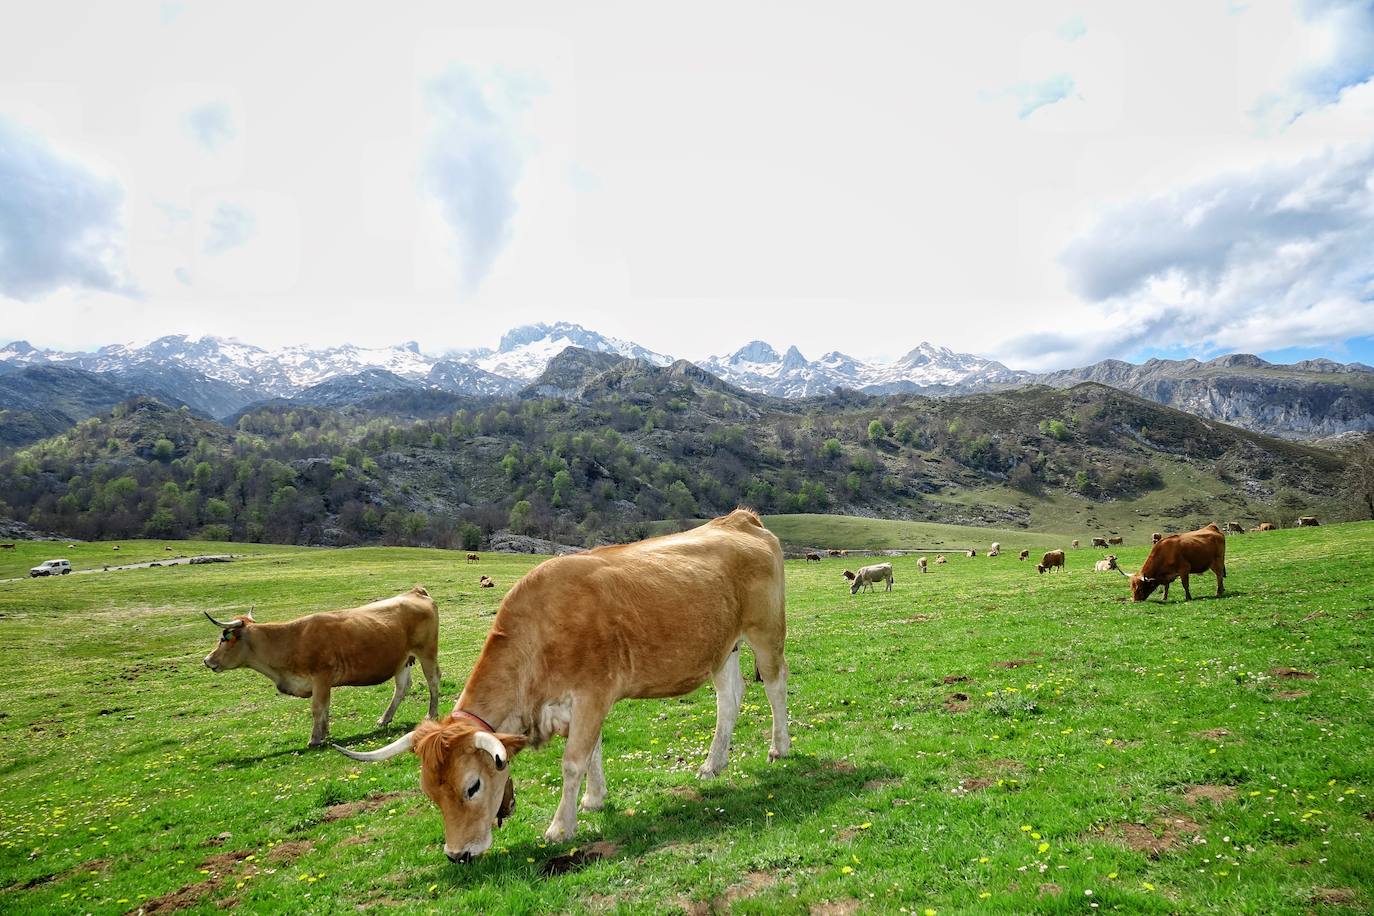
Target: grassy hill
{"x": 981, "y": 738}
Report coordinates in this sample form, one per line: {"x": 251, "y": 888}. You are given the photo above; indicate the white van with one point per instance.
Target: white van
{"x": 51, "y": 568}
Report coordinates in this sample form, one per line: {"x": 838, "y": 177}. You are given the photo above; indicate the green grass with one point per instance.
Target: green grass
{"x": 852, "y": 533}
{"x": 125, "y": 761}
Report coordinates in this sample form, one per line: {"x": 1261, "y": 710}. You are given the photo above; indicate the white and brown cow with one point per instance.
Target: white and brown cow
{"x": 655, "y": 618}
{"x": 866, "y": 576}
{"x": 311, "y": 655}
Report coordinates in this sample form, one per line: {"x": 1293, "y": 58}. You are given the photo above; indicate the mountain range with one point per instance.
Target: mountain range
{"x": 221, "y": 377}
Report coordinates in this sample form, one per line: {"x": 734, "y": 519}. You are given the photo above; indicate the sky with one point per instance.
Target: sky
{"x": 1046, "y": 183}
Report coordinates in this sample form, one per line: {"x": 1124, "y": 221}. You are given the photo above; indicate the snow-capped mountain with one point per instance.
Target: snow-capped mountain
{"x": 525, "y": 352}
{"x": 757, "y": 367}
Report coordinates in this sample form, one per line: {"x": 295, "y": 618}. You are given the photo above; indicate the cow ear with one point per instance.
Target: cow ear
{"x": 514, "y": 744}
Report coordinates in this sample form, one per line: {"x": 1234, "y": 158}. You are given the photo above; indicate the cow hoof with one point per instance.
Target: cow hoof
{"x": 316, "y": 742}
{"x": 383, "y": 721}
{"x": 590, "y": 804}
{"x": 774, "y": 754}
{"x": 557, "y": 834}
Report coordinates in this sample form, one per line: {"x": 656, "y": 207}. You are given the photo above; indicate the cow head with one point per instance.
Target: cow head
{"x": 855, "y": 585}
{"x": 232, "y": 651}
{"x": 1142, "y": 586}
{"x": 464, "y": 770}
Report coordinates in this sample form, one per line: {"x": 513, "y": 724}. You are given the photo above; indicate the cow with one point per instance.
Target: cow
{"x": 922, "y": 563}
{"x": 1053, "y": 559}
{"x": 1074, "y": 545}
{"x": 473, "y": 558}
{"x": 1099, "y": 542}
{"x": 813, "y": 556}
{"x": 115, "y": 547}
{"x": 1177, "y": 557}
{"x": 655, "y": 618}
{"x": 832, "y": 552}
{"x": 996, "y": 548}
{"x": 970, "y": 554}
{"x": 311, "y": 655}
{"x": 994, "y": 552}
{"x": 1266, "y": 526}
{"x": 1235, "y": 528}
{"x": 844, "y": 553}
{"x": 878, "y": 572}
{"x": 6, "y": 546}
{"x": 1116, "y": 541}
{"x": 940, "y": 560}
{"x": 486, "y": 582}
{"x": 1308, "y": 521}
{"x": 1023, "y": 554}
{"x": 848, "y": 575}
{"x": 1155, "y": 538}
{"x": 1108, "y": 564}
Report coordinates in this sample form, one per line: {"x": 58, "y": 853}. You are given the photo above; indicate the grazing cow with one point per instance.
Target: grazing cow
{"x": 1053, "y": 559}
{"x": 1099, "y": 542}
{"x": 878, "y": 572}
{"x": 486, "y": 582}
{"x": 1023, "y": 554}
{"x": 995, "y": 548}
{"x": 1266, "y": 526}
{"x": 1177, "y": 557}
{"x": 844, "y": 553}
{"x": 1235, "y": 528}
{"x": 655, "y": 618}
{"x": 1308, "y": 521}
{"x": 115, "y": 547}
{"x": 970, "y": 553}
{"x": 1108, "y": 564}
{"x": 1116, "y": 541}
{"x": 473, "y": 558}
{"x": 1074, "y": 545}
{"x": 922, "y": 563}
{"x": 311, "y": 655}
{"x": 994, "y": 553}
{"x": 813, "y": 556}
{"x": 832, "y": 552}
{"x": 1155, "y": 538}
{"x": 849, "y": 575}
{"x": 940, "y": 560}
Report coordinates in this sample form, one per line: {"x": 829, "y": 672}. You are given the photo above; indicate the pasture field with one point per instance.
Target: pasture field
{"x": 981, "y": 739}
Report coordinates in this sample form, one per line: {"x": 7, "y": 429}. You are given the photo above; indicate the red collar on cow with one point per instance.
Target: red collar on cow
{"x": 476, "y": 718}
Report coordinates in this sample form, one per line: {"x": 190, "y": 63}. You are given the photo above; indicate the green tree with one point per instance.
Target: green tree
{"x": 163, "y": 449}
{"x": 520, "y": 516}
{"x": 877, "y": 431}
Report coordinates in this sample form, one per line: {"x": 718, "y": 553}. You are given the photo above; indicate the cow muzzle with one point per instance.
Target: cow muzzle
{"x": 212, "y": 664}
{"x": 463, "y": 856}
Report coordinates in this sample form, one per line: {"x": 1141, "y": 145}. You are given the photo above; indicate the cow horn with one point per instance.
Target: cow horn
{"x": 399, "y": 746}
{"x": 492, "y": 745}
{"x": 231, "y": 625}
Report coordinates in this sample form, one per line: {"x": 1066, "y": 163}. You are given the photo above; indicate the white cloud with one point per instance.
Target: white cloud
{"x": 212, "y": 124}
{"x": 230, "y": 226}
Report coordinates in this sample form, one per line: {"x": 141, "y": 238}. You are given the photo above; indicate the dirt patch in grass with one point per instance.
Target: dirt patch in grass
{"x": 835, "y": 908}
{"x": 1168, "y": 833}
{"x": 1050, "y": 889}
{"x": 579, "y": 858}
{"x": 1293, "y": 674}
{"x": 183, "y": 898}
{"x": 875, "y": 785}
{"x": 1013, "y": 663}
{"x": 974, "y": 784}
{"x": 954, "y": 678}
{"x": 1334, "y": 896}
{"x": 224, "y": 861}
{"x": 350, "y": 809}
{"x": 1212, "y": 734}
{"x": 687, "y": 793}
{"x": 1215, "y": 794}
{"x": 999, "y": 764}
{"x": 356, "y": 839}
{"x": 753, "y": 882}
{"x": 290, "y": 852}
{"x": 1293, "y": 694}
{"x": 95, "y": 865}
{"x": 957, "y": 702}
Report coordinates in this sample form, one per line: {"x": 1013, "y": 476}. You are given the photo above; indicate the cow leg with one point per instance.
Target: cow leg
{"x": 768, "y": 654}
{"x": 584, "y": 734}
{"x": 1187, "y": 595}
{"x": 431, "y": 668}
{"x": 729, "y": 686}
{"x": 402, "y": 687}
{"x": 319, "y": 708}
{"x": 1166, "y": 593}
{"x": 594, "y": 796}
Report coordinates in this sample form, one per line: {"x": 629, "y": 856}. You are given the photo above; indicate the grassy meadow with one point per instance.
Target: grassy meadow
{"x": 981, "y": 739}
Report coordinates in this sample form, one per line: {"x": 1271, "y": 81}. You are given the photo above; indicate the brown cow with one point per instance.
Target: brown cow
{"x": 1155, "y": 538}
{"x": 1053, "y": 559}
{"x": 655, "y": 618}
{"x": 1266, "y": 526}
{"x": 309, "y": 656}
{"x": 1235, "y": 528}
{"x": 1099, "y": 542}
{"x": 832, "y": 552}
{"x": 473, "y": 558}
{"x": 813, "y": 556}
{"x": 1308, "y": 521}
{"x": 1023, "y": 554}
{"x": 1074, "y": 545}
{"x": 848, "y": 575}
{"x": 1116, "y": 541}
{"x": 1177, "y": 557}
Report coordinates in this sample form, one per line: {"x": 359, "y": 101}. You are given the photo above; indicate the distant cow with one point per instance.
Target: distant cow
{"x": 994, "y": 552}
{"x": 844, "y": 553}
{"x": 1053, "y": 559}
{"x": 813, "y": 556}
{"x": 1308, "y": 521}
{"x": 1108, "y": 564}
{"x": 878, "y": 572}
{"x": 309, "y": 656}
{"x": 995, "y": 548}
{"x": 1074, "y": 545}
{"x": 1235, "y": 528}
{"x": 922, "y": 563}
{"x": 1266, "y": 526}
{"x": 832, "y": 552}
{"x": 1099, "y": 542}
{"x": 1116, "y": 541}
{"x": 6, "y": 546}
{"x": 970, "y": 553}
{"x": 1179, "y": 556}
{"x": 1023, "y": 554}
{"x": 940, "y": 560}
{"x": 115, "y": 547}
{"x": 1155, "y": 538}
{"x": 473, "y": 558}
{"x": 486, "y": 582}
{"x": 848, "y": 574}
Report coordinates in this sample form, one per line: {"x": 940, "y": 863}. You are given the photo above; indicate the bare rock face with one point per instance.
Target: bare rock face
{"x": 509, "y": 542}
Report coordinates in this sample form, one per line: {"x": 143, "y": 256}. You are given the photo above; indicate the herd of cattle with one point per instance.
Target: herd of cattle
{"x": 655, "y": 618}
